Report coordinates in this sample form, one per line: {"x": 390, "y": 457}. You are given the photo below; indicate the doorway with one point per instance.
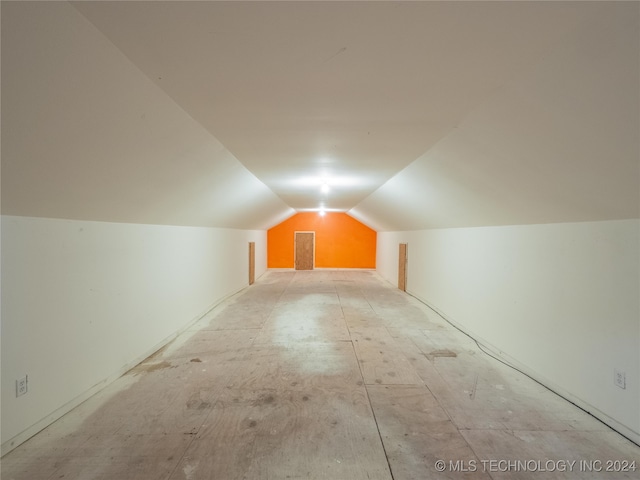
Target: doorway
{"x": 304, "y": 250}
{"x": 252, "y": 262}
{"x": 402, "y": 267}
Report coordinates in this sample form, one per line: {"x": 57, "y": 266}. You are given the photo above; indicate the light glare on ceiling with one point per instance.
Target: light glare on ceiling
{"x": 330, "y": 180}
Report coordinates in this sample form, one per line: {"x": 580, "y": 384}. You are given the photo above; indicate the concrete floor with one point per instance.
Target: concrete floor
{"x": 323, "y": 375}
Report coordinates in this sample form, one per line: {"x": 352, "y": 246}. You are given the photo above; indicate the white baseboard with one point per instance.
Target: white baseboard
{"x": 623, "y": 430}
{"x": 322, "y": 268}
{"x": 26, "y": 434}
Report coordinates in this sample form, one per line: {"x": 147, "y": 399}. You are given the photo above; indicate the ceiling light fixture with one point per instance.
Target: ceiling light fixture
{"x": 324, "y": 188}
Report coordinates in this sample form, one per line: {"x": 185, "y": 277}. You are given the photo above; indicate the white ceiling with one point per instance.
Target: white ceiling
{"x": 418, "y": 114}
{"x": 562, "y": 144}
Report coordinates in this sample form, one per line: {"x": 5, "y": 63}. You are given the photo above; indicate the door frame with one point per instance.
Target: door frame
{"x": 403, "y": 258}
{"x": 295, "y": 239}
{"x": 252, "y": 262}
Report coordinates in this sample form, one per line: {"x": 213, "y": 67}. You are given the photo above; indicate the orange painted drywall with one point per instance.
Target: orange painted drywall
{"x": 341, "y": 241}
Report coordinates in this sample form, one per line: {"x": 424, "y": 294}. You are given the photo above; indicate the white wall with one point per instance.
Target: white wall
{"x": 559, "y": 300}
{"x": 84, "y": 301}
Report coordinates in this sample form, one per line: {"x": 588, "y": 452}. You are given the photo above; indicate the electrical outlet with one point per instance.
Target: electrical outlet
{"x": 21, "y": 386}
{"x": 619, "y": 378}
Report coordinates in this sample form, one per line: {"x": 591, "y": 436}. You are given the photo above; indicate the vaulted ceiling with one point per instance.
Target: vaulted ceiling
{"x": 233, "y": 114}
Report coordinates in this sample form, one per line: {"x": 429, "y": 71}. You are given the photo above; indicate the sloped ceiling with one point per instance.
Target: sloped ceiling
{"x": 87, "y": 136}
{"x": 561, "y": 144}
{"x": 417, "y": 114}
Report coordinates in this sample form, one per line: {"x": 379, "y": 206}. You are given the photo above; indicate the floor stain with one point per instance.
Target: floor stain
{"x": 264, "y": 400}
{"x": 190, "y": 470}
{"x": 442, "y": 353}
{"x": 149, "y": 367}
{"x": 196, "y": 403}
{"x": 157, "y": 353}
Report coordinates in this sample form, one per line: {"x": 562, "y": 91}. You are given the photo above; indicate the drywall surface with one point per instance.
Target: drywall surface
{"x": 87, "y": 136}
{"x": 560, "y": 300}
{"x": 84, "y": 301}
{"x": 341, "y": 241}
{"x": 557, "y": 145}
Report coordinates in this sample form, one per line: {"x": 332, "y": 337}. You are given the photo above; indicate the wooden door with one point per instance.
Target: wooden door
{"x": 252, "y": 262}
{"x": 402, "y": 268}
{"x": 304, "y": 249}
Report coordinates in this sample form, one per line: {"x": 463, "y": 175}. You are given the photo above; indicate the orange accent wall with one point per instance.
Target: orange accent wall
{"x": 341, "y": 241}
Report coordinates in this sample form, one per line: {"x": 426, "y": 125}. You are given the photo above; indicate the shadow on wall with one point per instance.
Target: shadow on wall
{"x": 341, "y": 241}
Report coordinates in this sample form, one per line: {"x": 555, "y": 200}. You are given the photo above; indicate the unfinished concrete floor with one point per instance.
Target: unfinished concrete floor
{"x": 323, "y": 375}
